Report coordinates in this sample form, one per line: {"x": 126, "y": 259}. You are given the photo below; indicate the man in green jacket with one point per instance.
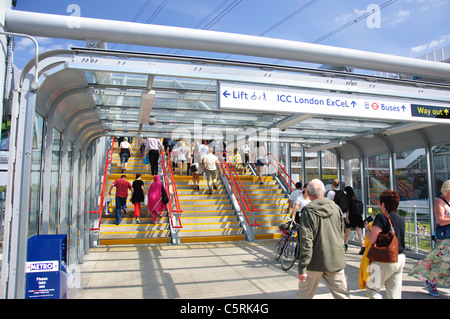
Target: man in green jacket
{"x": 322, "y": 253}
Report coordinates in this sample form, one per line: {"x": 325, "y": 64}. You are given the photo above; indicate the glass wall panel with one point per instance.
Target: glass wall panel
{"x": 312, "y": 166}
{"x": 411, "y": 175}
{"x": 412, "y": 186}
{"x": 296, "y": 162}
{"x": 352, "y": 176}
{"x": 35, "y": 190}
{"x": 441, "y": 159}
{"x": 377, "y": 175}
{"x": 55, "y": 184}
{"x": 329, "y": 167}
{"x": 71, "y": 240}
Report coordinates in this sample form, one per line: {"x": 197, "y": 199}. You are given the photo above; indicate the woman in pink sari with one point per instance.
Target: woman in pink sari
{"x": 155, "y": 204}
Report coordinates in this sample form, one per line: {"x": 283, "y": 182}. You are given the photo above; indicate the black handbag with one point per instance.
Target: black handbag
{"x": 164, "y": 197}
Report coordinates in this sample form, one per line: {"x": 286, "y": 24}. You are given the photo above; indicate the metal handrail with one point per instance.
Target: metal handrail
{"x": 242, "y": 185}
{"x": 174, "y": 185}
{"x": 105, "y": 176}
{"x": 281, "y": 175}
{"x": 414, "y": 233}
{"x": 174, "y": 188}
{"x": 239, "y": 195}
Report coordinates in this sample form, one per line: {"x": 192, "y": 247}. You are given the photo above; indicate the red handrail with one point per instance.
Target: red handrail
{"x": 242, "y": 185}
{"x": 105, "y": 175}
{"x": 174, "y": 188}
{"x": 239, "y": 195}
{"x": 174, "y": 185}
{"x": 281, "y": 175}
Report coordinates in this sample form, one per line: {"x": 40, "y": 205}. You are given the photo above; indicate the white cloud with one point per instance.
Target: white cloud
{"x": 400, "y": 17}
{"x": 347, "y": 17}
{"x": 45, "y": 44}
{"x": 432, "y": 4}
{"x": 432, "y": 44}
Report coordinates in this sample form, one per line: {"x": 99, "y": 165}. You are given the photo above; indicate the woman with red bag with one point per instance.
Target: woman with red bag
{"x": 388, "y": 274}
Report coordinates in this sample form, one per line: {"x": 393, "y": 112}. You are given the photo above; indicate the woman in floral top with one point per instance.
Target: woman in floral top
{"x": 435, "y": 267}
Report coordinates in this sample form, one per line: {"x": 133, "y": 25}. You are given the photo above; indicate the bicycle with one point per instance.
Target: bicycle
{"x": 287, "y": 247}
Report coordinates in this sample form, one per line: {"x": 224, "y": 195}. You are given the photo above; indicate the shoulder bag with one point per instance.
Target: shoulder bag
{"x": 385, "y": 249}
{"x": 164, "y": 197}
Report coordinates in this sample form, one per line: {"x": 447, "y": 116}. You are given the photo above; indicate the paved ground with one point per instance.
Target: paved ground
{"x": 209, "y": 271}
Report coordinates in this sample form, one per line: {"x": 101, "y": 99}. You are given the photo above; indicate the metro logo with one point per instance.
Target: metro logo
{"x": 42, "y": 266}
{"x": 375, "y": 106}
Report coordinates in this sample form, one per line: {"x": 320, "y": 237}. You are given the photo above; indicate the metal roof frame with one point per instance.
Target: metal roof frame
{"x": 92, "y": 91}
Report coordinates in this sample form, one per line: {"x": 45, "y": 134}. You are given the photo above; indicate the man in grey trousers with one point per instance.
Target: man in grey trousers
{"x": 322, "y": 253}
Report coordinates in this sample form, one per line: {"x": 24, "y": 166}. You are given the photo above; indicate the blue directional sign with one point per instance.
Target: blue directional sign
{"x": 260, "y": 98}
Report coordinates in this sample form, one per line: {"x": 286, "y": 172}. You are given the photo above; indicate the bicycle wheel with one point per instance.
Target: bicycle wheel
{"x": 279, "y": 248}
{"x": 290, "y": 253}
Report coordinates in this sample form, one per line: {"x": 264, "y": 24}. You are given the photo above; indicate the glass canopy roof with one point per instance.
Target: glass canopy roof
{"x": 186, "y": 101}
{"x": 184, "y": 98}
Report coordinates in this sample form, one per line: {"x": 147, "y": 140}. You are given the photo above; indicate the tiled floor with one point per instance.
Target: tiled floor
{"x": 208, "y": 271}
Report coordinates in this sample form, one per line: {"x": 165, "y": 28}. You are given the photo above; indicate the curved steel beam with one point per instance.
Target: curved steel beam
{"x": 59, "y": 26}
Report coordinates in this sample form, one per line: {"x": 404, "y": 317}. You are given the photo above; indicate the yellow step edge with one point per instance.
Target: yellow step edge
{"x": 267, "y": 228}
{"x": 129, "y": 225}
{"x": 272, "y": 221}
{"x": 284, "y": 204}
{"x": 267, "y": 236}
{"x": 211, "y": 239}
{"x": 209, "y": 217}
{"x": 271, "y": 215}
{"x": 203, "y": 195}
{"x": 219, "y": 223}
{"x": 206, "y": 211}
{"x": 207, "y": 230}
{"x": 204, "y": 200}
{"x": 136, "y": 232}
{"x": 132, "y": 241}
{"x": 209, "y": 205}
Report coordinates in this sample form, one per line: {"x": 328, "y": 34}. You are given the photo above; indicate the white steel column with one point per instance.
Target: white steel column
{"x": 18, "y": 197}
{"x": 47, "y": 174}
{"x": 75, "y": 209}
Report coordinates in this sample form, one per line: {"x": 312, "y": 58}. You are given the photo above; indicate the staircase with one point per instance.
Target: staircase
{"x": 271, "y": 202}
{"x": 129, "y": 232}
{"x": 268, "y": 198}
{"x": 204, "y": 218}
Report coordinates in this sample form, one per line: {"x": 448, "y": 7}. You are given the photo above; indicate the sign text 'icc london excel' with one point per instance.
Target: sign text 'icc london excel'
{"x": 286, "y": 100}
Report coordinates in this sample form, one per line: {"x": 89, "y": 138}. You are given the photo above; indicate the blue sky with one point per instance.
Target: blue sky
{"x": 407, "y": 28}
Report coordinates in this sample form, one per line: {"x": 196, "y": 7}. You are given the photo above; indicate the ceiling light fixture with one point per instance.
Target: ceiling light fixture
{"x": 145, "y": 107}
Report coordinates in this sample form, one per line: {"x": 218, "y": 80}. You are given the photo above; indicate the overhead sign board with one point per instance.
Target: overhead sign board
{"x": 258, "y": 98}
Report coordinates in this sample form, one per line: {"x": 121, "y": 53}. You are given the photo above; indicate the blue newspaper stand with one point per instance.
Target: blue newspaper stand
{"x": 46, "y": 267}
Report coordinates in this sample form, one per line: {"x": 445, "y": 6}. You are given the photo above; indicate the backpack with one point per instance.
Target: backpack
{"x": 357, "y": 207}
{"x": 341, "y": 200}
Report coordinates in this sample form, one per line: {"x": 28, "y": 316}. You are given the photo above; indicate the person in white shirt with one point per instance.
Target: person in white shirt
{"x": 153, "y": 147}
{"x": 294, "y": 195}
{"x": 125, "y": 152}
{"x": 300, "y": 202}
{"x": 334, "y": 188}
{"x": 259, "y": 155}
{"x": 211, "y": 165}
{"x": 245, "y": 154}
{"x": 181, "y": 151}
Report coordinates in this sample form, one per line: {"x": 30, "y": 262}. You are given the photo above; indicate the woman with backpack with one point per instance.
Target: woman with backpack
{"x": 353, "y": 219}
